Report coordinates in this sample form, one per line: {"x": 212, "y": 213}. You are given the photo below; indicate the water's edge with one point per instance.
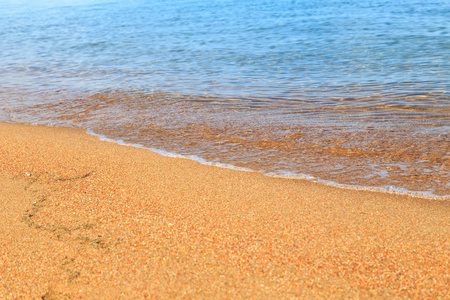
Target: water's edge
{"x": 387, "y": 189}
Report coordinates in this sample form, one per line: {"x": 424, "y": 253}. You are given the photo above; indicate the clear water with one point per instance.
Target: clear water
{"x": 353, "y": 92}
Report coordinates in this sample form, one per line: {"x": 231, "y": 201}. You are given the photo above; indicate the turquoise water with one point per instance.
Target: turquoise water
{"x": 353, "y": 92}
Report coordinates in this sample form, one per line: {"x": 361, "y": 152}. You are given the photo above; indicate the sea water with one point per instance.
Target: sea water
{"x": 356, "y": 93}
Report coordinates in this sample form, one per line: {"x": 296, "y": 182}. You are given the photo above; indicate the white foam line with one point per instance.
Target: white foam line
{"x": 282, "y": 174}
{"x": 386, "y": 189}
{"x": 169, "y": 154}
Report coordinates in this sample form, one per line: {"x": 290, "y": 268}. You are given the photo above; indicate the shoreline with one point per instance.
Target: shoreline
{"x": 388, "y": 190}
{"x": 107, "y": 220}
{"x": 425, "y": 195}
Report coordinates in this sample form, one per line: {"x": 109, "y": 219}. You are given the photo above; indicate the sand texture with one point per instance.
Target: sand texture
{"x": 83, "y": 218}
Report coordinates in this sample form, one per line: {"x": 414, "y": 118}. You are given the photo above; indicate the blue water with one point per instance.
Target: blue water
{"x": 356, "y": 92}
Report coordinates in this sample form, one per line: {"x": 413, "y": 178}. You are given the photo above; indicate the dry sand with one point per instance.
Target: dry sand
{"x": 83, "y": 218}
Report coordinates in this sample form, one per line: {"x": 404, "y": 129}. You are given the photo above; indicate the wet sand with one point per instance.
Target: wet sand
{"x": 83, "y": 218}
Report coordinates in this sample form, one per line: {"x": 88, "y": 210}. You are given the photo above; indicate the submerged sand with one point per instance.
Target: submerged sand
{"x": 84, "y": 218}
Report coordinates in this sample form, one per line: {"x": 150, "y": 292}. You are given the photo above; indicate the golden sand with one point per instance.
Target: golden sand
{"x": 83, "y": 218}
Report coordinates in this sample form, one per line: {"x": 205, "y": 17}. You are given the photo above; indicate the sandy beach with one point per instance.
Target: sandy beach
{"x": 84, "y": 218}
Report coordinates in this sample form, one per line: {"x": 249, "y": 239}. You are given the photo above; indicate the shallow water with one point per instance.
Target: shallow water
{"x": 349, "y": 92}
